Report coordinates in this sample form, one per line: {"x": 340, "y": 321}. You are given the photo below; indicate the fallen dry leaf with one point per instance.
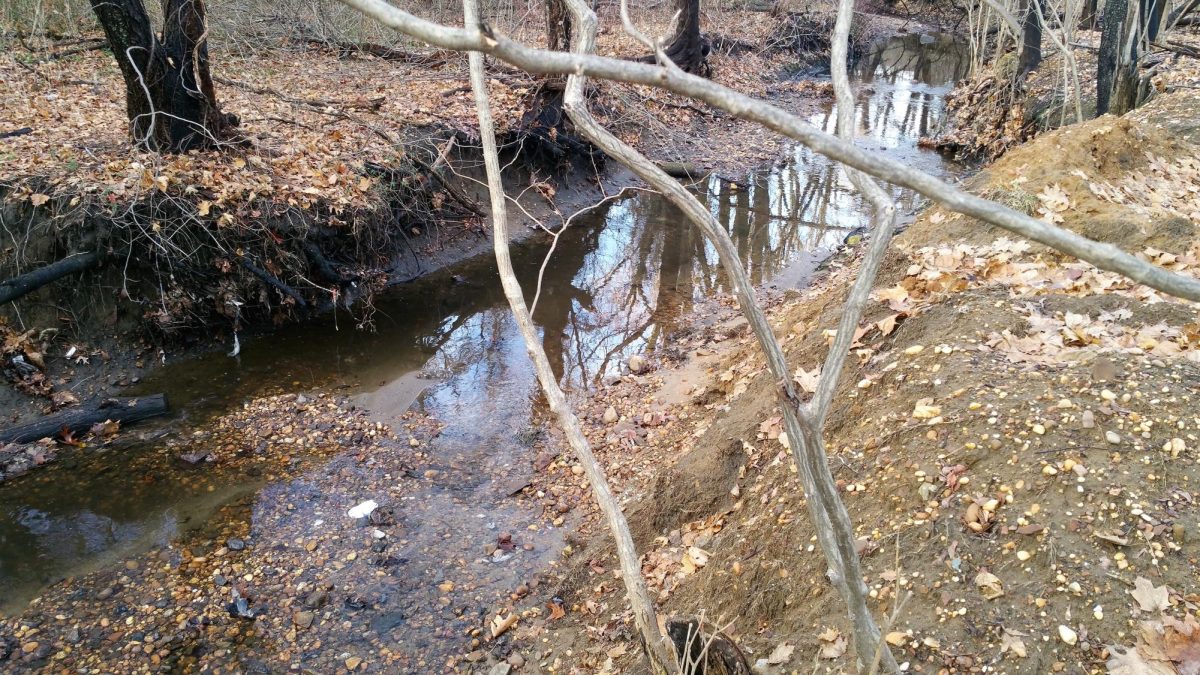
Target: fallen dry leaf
{"x": 1011, "y": 642}
{"x": 1149, "y": 597}
{"x": 1130, "y": 662}
{"x": 989, "y": 585}
{"x": 781, "y": 654}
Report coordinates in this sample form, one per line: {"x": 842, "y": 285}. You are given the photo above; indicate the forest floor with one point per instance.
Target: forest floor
{"x": 1017, "y": 441}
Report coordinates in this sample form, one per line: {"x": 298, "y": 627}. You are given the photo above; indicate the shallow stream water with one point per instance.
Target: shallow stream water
{"x": 620, "y": 281}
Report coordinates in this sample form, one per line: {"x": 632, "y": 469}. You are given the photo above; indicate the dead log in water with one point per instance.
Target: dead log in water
{"x": 78, "y": 420}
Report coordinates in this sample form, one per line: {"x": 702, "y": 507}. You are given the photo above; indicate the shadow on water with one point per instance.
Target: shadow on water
{"x": 620, "y": 282}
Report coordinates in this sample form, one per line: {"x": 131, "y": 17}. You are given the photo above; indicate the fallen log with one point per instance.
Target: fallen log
{"x": 78, "y": 420}
{"x": 31, "y": 281}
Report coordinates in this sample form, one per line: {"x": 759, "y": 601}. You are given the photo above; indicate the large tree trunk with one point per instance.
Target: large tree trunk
{"x": 1031, "y": 37}
{"x": 169, "y": 95}
{"x": 689, "y": 49}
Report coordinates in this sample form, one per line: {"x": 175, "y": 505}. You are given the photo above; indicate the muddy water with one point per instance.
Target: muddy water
{"x": 619, "y": 282}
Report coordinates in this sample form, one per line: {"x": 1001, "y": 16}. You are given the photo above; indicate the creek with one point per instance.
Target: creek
{"x": 622, "y": 280}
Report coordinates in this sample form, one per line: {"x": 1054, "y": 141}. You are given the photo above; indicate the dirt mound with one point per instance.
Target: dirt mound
{"x": 1119, "y": 180}
{"x": 1015, "y": 440}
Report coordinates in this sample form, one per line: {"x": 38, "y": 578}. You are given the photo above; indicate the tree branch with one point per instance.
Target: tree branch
{"x": 631, "y": 571}
{"x": 1102, "y": 255}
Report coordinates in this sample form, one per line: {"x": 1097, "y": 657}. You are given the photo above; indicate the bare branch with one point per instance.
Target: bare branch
{"x": 631, "y": 572}
{"x": 826, "y": 510}
{"x": 1102, "y": 255}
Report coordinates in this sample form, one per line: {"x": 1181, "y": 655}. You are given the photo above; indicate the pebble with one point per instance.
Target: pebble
{"x": 1112, "y": 437}
{"x": 1067, "y": 635}
{"x": 316, "y": 599}
{"x": 1087, "y": 419}
{"x": 610, "y": 415}
{"x": 516, "y": 660}
{"x": 234, "y": 544}
{"x": 500, "y": 669}
{"x": 303, "y": 619}
{"x": 638, "y": 364}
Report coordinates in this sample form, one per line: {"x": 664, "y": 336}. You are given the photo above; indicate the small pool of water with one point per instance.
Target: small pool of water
{"x": 620, "y": 282}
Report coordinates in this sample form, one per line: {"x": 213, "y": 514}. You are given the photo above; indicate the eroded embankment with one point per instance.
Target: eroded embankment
{"x": 1016, "y": 438}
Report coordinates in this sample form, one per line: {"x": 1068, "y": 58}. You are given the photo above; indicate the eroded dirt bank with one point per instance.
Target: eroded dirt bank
{"x": 1016, "y": 440}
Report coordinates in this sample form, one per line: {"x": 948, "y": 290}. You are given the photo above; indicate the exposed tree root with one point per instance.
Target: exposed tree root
{"x": 545, "y": 137}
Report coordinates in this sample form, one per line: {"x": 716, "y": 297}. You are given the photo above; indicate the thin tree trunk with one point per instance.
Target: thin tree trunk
{"x": 558, "y": 26}
{"x": 1031, "y": 37}
{"x": 1152, "y": 17}
{"x": 1112, "y": 39}
{"x": 169, "y": 96}
{"x": 830, "y": 518}
{"x": 1087, "y": 16}
{"x": 644, "y": 613}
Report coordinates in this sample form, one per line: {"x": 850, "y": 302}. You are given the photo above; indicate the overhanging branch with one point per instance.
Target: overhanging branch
{"x": 483, "y": 39}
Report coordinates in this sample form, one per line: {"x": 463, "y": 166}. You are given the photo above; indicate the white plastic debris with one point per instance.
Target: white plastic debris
{"x": 363, "y": 510}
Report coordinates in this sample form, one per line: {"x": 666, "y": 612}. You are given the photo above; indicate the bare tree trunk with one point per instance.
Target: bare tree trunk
{"x": 645, "y": 616}
{"x": 1113, "y": 34}
{"x": 558, "y": 26}
{"x": 830, "y": 519}
{"x": 1031, "y": 37}
{"x": 1087, "y": 17}
{"x": 169, "y": 95}
{"x": 1152, "y": 17}
{"x": 689, "y": 49}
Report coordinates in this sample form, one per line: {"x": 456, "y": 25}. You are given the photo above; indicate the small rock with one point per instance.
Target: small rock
{"x": 516, "y": 660}
{"x": 316, "y": 599}
{"x": 1087, "y": 419}
{"x": 500, "y": 669}
{"x": 1112, "y": 437}
{"x": 235, "y": 544}
{"x": 220, "y": 580}
{"x": 353, "y": 663}
{"x": 1067, "y": 635}
{"x": 610, "y": 415}
{"x": 73, "y": 636}
{"x": 638, "y": 364}
{"x": 105, "y": 593}
{"x": 303, "y": 619}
